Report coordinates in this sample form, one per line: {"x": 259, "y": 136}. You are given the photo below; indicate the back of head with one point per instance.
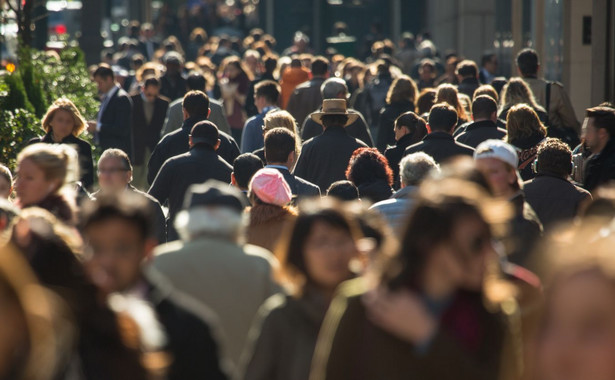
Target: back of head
{"x": 522, "y": 121}
{"x": 104, "y": 71}
{"x": 279, "y": 143}
{"x": 333, "y": 87}
{"x": 415, "y": 167}
{"x": 486, "y": 58}
{"x": 205, "y": 133}
{"x": 483, "y": 107}
{"x": 517, "y": 91}
{"x": 343, "y": 190}
{"x": 467, "y": 69}
{"x": 271, "y": 63}
{"x": 196, "y": 104}
{"x": 279, "y": 119}
{"x": 554, "y": 157}
{"x": 442, "y": 117}
{"x": 403, "y": 89}
{"x": 488, "y": 90}
{"x": 269, "y": 90}
{"x": 416, "y": 126}
{"x": 196, "y": 81}
{"x": 603, "y": 117}
{"x": 320, "y": 66}
{"x": 244, "y": 167}
{"x": 527, "y": 62}
{"x": 426, "y": 100}
{"x": 367, "y": 165}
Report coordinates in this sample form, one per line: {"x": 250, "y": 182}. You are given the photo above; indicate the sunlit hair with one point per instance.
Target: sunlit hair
{"x": 448, "y": 93}
{"x": 523, "y": 121}
{"x": 68, "y": 106}
{"x": 282, "y": 119}
{"x": 209, "y": 221}
{"x": 6, "y": 174}
{"x": 58, "y": 162}
{"x": 402, "y": 89}
{"x": 516, "y": 91}
{"x": 486, "y": 89}
{"x": 426, "y": 100}
{"x": 237, "y": 63}
{"x": 148, "y": 69}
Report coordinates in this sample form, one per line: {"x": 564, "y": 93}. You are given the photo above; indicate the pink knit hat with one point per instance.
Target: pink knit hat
{"x": 270, "y": 186}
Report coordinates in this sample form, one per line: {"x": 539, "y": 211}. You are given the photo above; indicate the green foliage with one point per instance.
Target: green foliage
{"x": 32, "y": 82}
{"x": 18, "y": 127}
{"x": 12, "y": 93}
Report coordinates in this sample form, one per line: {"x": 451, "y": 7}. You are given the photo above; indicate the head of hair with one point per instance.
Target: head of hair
{"x": 527, "y": 62}
{"x": 68, "y": 106}
{"x": 58, "y": 162}
{"x": 6, "y": 174}
{"x": 517, "y": 91}
{"x": 291, "y": 250}
{"x": 104, "y": 71}
{"x": 343, "y": 190}
{"x": 487, "y": 57}
{"x": 522, "y": 121}
{"x": 332, "y": 87}
{"x": 483, "y": 107}
{"x": 442, "y": 117}
{"x": 554, "y": 156}
{"x": 118, "y": 154}
{"x": 603, "y": 117}
{"x": 244, "y": 168}
{"x": 279, "y": 119}
{"x": 320, "y": 66}
{"x": 448, "y": 93}
{"x": 268, "y": 89}
{"x": 467, "y": 69}
{"x": 196, "y": 104}
{"x": 417, "y": 128}
{"x": 488, "y": 90}
{"x": 196, "y": 81}
{"x": 279, "y": 143}
{"x": 271, "y": 63}
{"x": 367, "y": 165}
{"x": 151, "y": 81}
{"x": 426, "y": 100}
{"x": 402, "y": 89}
{"x": 123, "y": 206}
{"x": 415, "y": 167}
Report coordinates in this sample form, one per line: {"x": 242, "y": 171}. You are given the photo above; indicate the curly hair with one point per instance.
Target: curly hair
{"x": 522, "y": 121}
{"x": 68, "y": 106}
{"x": 367, "y": 164}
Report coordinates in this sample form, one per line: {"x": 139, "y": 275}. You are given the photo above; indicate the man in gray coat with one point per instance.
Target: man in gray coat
{"x": 211, "y": 264}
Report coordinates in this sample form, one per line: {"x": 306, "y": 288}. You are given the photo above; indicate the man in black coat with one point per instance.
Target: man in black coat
{"x": 336, "y": 88}
{"x": 171, "y": 323}
{"x": 324, "y": 158}
{"x": 195, "y": 109}
{"x": 467, "y": 74}
{"x": 112, "y": 126}
{"x": 599, "y": 135}
{"x": 280, "y": 152}
{"x": 440, "y": 144}
{"x": 173, "y": 82}
{"x": 148, "y": 113}
{"x": 198, "y": 165}
{"x": 484, "y": 127}
{"x": 554, "y": 198}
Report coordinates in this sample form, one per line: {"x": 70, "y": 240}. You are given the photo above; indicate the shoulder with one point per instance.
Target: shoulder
{"x": 147, "y": 197}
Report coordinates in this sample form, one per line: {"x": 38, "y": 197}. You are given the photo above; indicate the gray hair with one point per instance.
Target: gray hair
{"x": 414, "y": 168}
{"x": 219, "y": 222}
{"x": 333, "y": 86}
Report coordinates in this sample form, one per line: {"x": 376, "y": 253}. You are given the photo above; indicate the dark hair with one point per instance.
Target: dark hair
{"x": 151, "y": 81}
{"x": 417, "y": 127}
{"x": 367, "y": 164}
{"x": 484, "y": 106}
{"x": 604, "y": 117}
{"x": 119, "y": 154}
{"x": 279, "y": 143}
{"x": 425, "y": 100}
{"x": 486, "y": 58}
{"x": 334, "y": 120}
{"x": 291, "y": 251}
{"x": 467, "y": 68}
{"x": 442, "y": 117}
{"x": 554, "y": 156}
{"x": 343, "y": 190}
{"x": 196, "y": 81}
{"x": 196, "y": 104}
{"x": 487, "y": 90}
{"x": 270, "y": 63}
{"x": 527, "y": 62}
{"x": 104, "y": 71}
{"x": 244, "y": 168}
{"x": 268, "y": 89}
{"x": 320, "y": 65}
{"x": 125, "y": 206}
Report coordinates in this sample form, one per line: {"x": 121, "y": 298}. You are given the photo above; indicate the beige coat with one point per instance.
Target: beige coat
{"x": 231, "y": 280}
{"x": 561, "y": 113}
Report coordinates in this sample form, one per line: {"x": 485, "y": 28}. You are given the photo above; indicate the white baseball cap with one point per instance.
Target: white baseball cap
{"x": 497, "y": 149}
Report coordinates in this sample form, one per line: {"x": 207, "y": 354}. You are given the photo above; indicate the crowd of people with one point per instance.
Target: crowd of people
{"x": 249, "y": 215}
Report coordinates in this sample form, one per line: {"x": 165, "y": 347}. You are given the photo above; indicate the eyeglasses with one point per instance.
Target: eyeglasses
{"x": 111, "y": 170}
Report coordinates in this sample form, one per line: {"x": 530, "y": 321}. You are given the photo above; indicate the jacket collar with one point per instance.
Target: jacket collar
{"x": 438, "y": 135}
{"x": 481, "y": 124}
{"x": 405, "y": 141}
{"x": 48, "y": 138}
{"x": 189, "y": 123}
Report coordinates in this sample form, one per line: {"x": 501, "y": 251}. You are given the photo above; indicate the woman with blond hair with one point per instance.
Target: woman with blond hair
{"x": 63, "y": 124}
{"x": 400, "y": 99}
{"x": 279, "y": 119}
{"x": 516, "y": 91}
{"x": 448, "y": 93}
{"x": 525, "y": 132}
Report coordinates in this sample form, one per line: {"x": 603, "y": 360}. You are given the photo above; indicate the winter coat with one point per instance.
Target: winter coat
{"x": 479, "y": 131}
{"x": 358, "y": 129}
{"x": 441, "y": 146}
{"x": 305, "y": 99}
{"x": 600, "y": 168}
{"x": 527, "y": 148}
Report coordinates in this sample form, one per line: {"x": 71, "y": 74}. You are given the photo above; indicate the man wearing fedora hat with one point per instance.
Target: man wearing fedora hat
{"x": 198, "y": 165}
{"x": 324, "y": 158}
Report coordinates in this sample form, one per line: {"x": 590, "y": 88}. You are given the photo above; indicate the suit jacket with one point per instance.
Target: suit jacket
{"x": 358, "y": 129}
{"x": 198, "y": 165}
{"x": 176, "y": 143}
{"x": 298, "y": 186}
{"x": 146, "y": 135}
{"x": 441, "y": 146}
{"x": 324, "y": 158}
{"x": 175, "y": 117}
{"x": 305, "y": 99}
{"x": 479, "y": 131}
{"x": 115, "y": 123}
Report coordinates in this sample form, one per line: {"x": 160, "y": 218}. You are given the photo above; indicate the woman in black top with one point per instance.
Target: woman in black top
{"x": 409, "y": 129}
{"x": 400, "y": 99}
